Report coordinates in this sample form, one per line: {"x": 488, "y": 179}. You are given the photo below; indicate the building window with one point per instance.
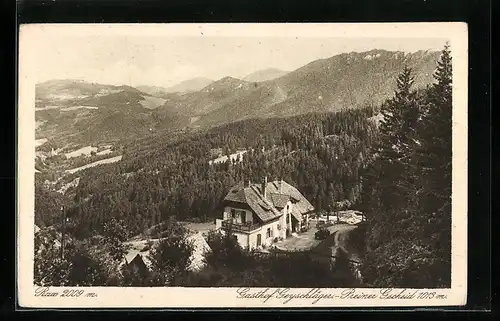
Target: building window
{"x": 269, "y": 233}
{"x": 238, "y": 216}
{"x": 259, "y": 240}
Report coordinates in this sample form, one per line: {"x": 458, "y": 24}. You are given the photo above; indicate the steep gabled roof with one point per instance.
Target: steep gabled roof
{"x": 278, "y": 194}
{"x": 301, "y": 204}
{"x": 236, "y": 194}
{"x": 261, "y": 206}
{"x": 279, "y": 200}
{"x": 296, "y": 213}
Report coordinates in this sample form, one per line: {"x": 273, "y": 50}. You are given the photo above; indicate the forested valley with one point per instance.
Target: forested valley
{"x": 397, "y": 172}
{"x": 321, "y": 154}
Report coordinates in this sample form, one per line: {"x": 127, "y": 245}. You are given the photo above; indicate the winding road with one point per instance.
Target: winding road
{"x": 340, "y": 243}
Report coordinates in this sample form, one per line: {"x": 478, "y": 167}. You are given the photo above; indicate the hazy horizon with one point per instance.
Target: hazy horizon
{"x": 164, "y": 61}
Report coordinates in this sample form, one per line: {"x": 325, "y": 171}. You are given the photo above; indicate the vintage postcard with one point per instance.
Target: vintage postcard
{"x": 242, "y": 165}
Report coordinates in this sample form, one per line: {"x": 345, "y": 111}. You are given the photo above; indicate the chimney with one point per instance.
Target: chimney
{"x": 281, "y": 186}
{"x": 264, "y": 185}
{"x": 247, "y": 183}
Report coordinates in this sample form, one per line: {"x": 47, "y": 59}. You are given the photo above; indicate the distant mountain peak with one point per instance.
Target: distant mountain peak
{"x": 223, "y": 82}
{"x": 190, "y": 85}
{"x": 186, "y": 86}
{"x": 61, "y": 81}
{"x": 227, "y": 79}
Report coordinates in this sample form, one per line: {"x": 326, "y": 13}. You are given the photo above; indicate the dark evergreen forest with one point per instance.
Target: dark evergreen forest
{"x": 321, "y": 154}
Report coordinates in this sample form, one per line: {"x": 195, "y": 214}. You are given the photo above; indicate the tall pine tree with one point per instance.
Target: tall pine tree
{"x": 398, "y": 127}
{"x": 434, "y": 158}
{"x": 409, "y": 241}
{"x": 435, "y": 151}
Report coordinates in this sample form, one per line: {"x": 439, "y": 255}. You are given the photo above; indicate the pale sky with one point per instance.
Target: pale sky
{"x": 165, "y": 60}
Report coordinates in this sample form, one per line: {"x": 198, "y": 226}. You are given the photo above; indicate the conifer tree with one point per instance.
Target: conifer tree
{"x": 414, "y": 233}
{"x": 435, "y": 150}
{"x": 393, "y": 112}
{"x": 171, "y": 256}
{"x": 435, "y": 159}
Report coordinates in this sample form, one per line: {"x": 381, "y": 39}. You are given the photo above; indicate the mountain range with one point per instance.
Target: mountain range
{"x": 349, "y": 80}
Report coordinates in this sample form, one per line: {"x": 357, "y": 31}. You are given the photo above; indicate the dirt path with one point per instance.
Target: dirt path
{"x": 339, "y": 240}
{"x": 343, "y": 240}
{"x": 306, "y": 240}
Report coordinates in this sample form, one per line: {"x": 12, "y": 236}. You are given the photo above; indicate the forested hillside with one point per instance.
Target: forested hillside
{"x": 393, "y": 162}
{"x": 83, "y": 113}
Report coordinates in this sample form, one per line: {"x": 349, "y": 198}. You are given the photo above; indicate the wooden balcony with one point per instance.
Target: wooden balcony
{"x": 240, "y": 227}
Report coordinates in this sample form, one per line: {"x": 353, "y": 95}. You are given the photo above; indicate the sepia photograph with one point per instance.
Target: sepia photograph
{"x": 254, "y": 160}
